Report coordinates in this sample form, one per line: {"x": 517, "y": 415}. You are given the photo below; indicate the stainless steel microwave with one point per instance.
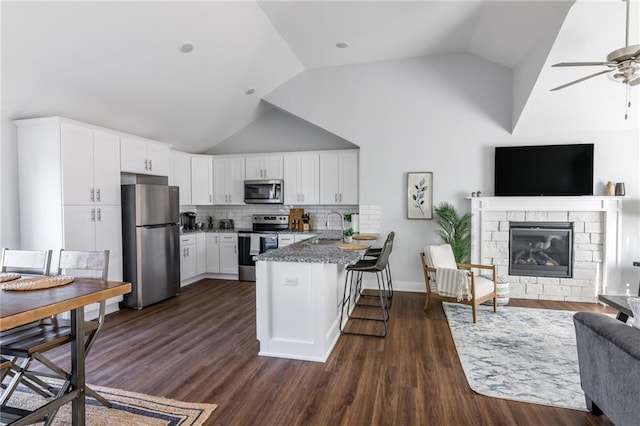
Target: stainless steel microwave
{"x": 264, "y": 191}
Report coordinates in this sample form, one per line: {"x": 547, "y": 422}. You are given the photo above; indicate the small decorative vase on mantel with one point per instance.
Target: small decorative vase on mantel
{"x": 610, "y": 189}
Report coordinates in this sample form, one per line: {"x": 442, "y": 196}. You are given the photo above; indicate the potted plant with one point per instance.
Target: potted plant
{"x": 455, "y": 230}
{"x": 348, "y": 235}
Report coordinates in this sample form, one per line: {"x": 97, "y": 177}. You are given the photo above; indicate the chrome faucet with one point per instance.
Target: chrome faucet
{"x": 341, "y": 220}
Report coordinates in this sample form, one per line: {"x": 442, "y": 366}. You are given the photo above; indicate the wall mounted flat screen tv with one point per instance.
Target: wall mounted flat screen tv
{"x": 554, "y": 170}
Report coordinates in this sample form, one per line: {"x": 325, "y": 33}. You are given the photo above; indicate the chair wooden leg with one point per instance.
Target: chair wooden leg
{"x": 426, "y": 302}
{"x": 473, "y": 311}
{"x": 495, "y": 303}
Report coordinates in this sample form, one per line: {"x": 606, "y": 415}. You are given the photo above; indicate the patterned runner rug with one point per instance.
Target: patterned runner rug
{"x": 519, "y": 354}
{"x": 127, "y": 409}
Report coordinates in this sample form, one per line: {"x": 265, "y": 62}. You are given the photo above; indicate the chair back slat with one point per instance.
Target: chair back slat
{"x": 81, "y": 264}
{"x": 25, "y": 261}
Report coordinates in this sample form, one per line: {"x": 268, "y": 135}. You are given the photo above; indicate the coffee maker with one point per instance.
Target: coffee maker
{"x": 188, "y": 221}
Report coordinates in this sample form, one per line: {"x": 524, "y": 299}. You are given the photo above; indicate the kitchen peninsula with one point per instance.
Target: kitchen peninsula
{"x": 299, "y": 291}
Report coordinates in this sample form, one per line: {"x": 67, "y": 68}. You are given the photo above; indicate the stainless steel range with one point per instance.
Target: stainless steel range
{"x": 263, "y": 237}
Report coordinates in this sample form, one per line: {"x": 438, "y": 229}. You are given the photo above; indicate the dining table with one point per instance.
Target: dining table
{"x": 18, "y": 308}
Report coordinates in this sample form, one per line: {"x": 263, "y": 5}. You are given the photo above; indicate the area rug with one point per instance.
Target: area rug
{"x": 519, "y": 354}
{"x": 127, "y": 409}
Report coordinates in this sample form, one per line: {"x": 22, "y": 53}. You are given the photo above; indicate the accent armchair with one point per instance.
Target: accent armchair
{"x": 453, "y": 282}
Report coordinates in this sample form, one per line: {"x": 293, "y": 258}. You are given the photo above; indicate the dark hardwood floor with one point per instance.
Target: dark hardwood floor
{"x": 201, "y": 347}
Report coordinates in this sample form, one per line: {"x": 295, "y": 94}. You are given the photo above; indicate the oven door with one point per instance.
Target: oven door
{"x": 247, "y": 256}
{"x": 263, "y": 191}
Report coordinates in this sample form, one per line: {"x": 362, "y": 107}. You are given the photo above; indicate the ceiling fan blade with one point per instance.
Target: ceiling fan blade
{"x": 580, "y": 80}
{"x": 584, "y": 64}
{"x": 635, "y": 82}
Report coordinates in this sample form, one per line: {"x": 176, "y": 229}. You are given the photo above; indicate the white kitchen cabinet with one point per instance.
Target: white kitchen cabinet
{"x": 228, "y": 253}
{"x": 144, "y": 157}
{"x": 93, "y": 160}
{"x": 201, "y": 253}
{"x": 263, "y": 167}
{"x": 95, "y": 228}
{"x": 228, "y": 180}
{"x": 285, "y": 239}
{"x": 201, "y": 180}
{"x": 181, "y": 175}
{"x": 301, "y": 179}
{"x": 213, "y": 252}
{"x": 339, "y": 177}
{"x": 302, "y": 237}
{"x": 69, "y": 183}
{"x": 188, "y": 256}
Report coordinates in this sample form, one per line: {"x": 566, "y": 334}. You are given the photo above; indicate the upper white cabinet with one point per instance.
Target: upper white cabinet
{"x": 69, "y": 183}
{"x": 339, "y": 177}
{"x": 201, "y": 180}
{"x": 144, "y": 157}
{"x": 228, "y": 180}
{"x": 90, "y": 165}
{"x": 181, "y": 175}
{"x": 263, "y": 167}
{"x": 301, "y": 179}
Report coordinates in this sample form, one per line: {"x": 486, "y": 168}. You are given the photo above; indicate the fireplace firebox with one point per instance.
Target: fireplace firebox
{"x": 541, "y": 249}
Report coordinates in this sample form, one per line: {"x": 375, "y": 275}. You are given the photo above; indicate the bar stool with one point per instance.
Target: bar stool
{"x": 375, "y": 253}
{"x": 351, "y": 290}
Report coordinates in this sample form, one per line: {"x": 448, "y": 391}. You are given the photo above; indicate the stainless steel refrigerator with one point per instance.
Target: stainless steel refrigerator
{"x": 150, "y": 243}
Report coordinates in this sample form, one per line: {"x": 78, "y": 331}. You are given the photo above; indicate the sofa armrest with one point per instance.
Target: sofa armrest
{"x": 609, "y": 360}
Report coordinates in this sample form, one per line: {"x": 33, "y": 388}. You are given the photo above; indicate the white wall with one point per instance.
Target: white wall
{"x": 279, "y": 131}
{"x": 445, "y": 115}
{"x": 9, "y": 216}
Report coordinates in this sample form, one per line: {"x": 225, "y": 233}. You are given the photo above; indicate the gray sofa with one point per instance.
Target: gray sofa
{"x": 609, "y": 359}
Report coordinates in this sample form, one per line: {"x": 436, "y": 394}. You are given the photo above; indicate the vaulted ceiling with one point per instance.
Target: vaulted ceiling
{"x": 118, "y": 64}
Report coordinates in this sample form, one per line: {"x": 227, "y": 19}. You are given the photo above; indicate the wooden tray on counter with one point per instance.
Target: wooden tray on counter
{"x": 365, "y": 237}
{"x": 353, "y": 246}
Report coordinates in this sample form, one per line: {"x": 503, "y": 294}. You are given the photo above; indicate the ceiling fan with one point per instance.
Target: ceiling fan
{"x": 623, "y": 65}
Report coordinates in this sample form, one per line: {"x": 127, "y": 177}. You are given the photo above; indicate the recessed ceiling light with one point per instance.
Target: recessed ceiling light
{"x": 186, "y": 47}
{"x": 342, "y": 44}
{"x": 250, "y": 91}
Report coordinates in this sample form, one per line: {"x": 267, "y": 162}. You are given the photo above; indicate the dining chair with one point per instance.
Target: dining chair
{"x": 29, "y": 262}
{"x": 36, "y": 338}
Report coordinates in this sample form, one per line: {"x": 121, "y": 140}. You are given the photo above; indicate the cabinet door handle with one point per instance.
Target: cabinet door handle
{"x": 302, "y": 197}
{"x": 146, "y": 164}
{"x": 93, "y": 215}
{"x": 335, "y": 197}
{"x": 210, "y": 198}
{"x": 98, "y": 195}
{"x": 92, "y": 194}
{"x": 235, "y": 249}
{"x": 150, "y": 165}
{"x": 341, "y": 197}
{"x": 99, "y": 215}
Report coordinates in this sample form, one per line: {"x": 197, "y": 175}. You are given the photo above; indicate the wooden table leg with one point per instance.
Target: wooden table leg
{"x": 77, "y": 365}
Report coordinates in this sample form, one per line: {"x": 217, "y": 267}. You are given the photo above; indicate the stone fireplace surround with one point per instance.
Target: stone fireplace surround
{"x": 597, "y": 243}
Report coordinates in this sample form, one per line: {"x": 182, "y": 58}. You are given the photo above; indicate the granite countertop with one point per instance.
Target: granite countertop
{"x": 325, "y": 252}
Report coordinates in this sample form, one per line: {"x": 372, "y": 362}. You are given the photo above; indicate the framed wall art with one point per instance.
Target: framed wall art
{"x": 420, "y": 195}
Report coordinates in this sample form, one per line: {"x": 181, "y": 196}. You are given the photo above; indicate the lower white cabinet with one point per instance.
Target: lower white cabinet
{"x": 213, "y": 252}
{"x": 228, "y": 253}
{"x": 285, "y": 239}
{"x": 201, "y": 253}
{"x": 222, "y": 253}
{"x": 188, "y": 256}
